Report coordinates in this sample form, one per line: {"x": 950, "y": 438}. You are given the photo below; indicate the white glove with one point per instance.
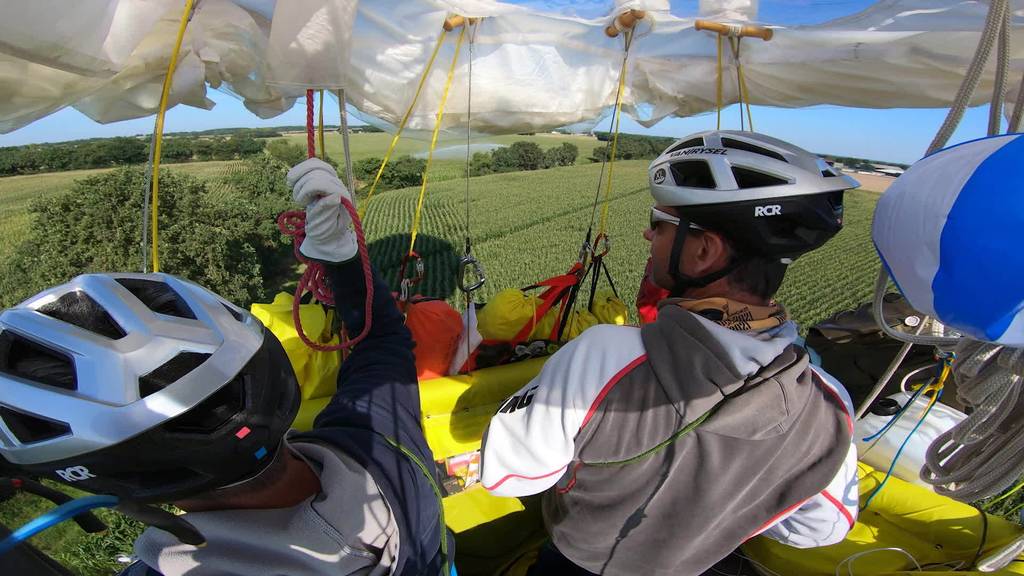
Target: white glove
{"x": 316, "y": 186}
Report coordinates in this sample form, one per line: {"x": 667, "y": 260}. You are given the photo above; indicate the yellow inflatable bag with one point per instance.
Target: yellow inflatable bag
{"x": 506, "y": 314}
{"x": 545, "y": 326}
{"x": 609, "y": 309}
{"x": 317, "y": 372}
{"x": 935, "y": 530}
{"x": 578, "y": 321}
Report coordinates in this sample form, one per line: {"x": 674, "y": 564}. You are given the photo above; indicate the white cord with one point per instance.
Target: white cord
{"x": 903, "y": 383}
{"x": 851, "y": 558}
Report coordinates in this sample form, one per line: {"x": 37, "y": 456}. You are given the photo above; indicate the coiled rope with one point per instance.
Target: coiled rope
{"x": 984, "y": 454}
{"x": 293, "y": 223}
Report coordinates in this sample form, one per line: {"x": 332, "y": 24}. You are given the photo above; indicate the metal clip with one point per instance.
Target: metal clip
{"x": 406, "y": 283}
{"x": 585, "y": 250}
{"x": 606, "y": 245}
{"x": 467, "y": 263}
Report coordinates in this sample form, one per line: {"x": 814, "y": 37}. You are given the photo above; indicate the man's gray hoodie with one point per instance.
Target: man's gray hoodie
{"x": 632, "y": 489}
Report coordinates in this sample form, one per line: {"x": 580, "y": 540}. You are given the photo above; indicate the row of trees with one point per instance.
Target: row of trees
{"x": 522, "y": 155}
{"x": 227, "y": 241}
{"x": 631, "y": 147}
{"x": 120, "y": 151}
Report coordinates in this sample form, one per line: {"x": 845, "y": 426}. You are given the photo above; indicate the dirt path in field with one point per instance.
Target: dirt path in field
{"x": 871, "y": 182}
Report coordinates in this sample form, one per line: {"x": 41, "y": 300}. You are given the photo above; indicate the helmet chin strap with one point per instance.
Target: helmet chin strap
{"x": 681, "y": 282}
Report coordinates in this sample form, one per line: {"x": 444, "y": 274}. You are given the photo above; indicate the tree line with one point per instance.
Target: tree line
{"x": 121, "y": 151}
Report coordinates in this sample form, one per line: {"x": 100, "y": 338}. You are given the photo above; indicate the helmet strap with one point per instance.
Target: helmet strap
{"x": 681, "y": 282}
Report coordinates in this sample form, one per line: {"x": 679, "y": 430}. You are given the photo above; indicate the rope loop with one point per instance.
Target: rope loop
{"x": 314, "y": 278}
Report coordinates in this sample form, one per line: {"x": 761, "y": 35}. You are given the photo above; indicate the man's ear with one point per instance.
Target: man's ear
{"x": 712, "y": 254}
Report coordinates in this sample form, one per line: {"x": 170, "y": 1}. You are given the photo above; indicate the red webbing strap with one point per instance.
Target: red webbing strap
{"x": 557, "y": 293}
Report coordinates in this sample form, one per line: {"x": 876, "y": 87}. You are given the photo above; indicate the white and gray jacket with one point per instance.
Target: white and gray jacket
{"x": 775, "y": 457}
{"x": 346, "y": 529}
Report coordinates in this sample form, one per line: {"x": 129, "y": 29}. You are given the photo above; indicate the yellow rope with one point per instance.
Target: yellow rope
{"x": 744, "y": 97}
{"x": 615, "y": 138}
{"x": 433, "y": 141}
{"x": 718, "y": 87}
{"x": 401, "y": 125}
{"x": 320, "y": 128}
{"x": 159, "y": 130}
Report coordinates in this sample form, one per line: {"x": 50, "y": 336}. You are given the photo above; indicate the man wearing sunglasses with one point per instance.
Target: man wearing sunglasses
{"x": 661, "y": 449}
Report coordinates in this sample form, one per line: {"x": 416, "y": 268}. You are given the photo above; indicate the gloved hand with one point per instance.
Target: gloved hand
{"x": 316, "y": 186}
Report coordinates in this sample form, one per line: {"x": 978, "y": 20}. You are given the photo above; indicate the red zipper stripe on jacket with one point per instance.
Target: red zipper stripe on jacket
{"x": 510, "y": 476}
{"x": 849, "y": 422}
{"x": 839, "y": 400}
{"x": 842, "y": 509}
{"x": 608, "y": 387}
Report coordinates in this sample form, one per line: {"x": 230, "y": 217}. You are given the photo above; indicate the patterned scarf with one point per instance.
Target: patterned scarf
{"x": 736, "y": 315}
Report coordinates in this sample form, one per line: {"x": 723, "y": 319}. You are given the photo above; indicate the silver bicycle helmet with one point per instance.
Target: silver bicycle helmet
{"x": 769, "y": 198}
{"x": 145, "y": 386}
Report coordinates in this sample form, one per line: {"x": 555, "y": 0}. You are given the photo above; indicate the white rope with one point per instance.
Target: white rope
{"x": 343, "y": 126}
{"x": 973, "y": 76}
{"x": 848, "y": 561}
{"x": 1018, "y": 109}
{"x": 995, "y": 113}
{"x": 984, "y": 454}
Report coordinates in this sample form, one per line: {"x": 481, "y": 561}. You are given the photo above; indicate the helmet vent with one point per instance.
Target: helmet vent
{"x": 233, "y": 312}
{"x": 29, "y": 429}
{"x": 748, "y": 147}
{"x": 213, "y": 412}
{"x": 693, "y": 174}
{"x": 170, "y": 372}
{"x": 747, "y": 178}
{"x": 158, "y": 297}
{"x": 79, "y": 309}
{"x": 691, "y": 143}
{"x": 23, "y": 358}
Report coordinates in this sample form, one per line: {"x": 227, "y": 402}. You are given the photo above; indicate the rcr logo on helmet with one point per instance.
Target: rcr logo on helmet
{"x": 75, "y": 474}
{"x": 769, "y": 210}
{"x": 659, "y": 176}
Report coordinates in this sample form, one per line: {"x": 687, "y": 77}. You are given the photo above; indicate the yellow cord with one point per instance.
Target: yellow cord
{"x": 320, "y": 128}
{"x": 401, "y": 125}
{"x": 615, "y": 140}
{"x": 433, "y": 141}
{"x": 718, "y": 86}
{"x": 744, "y": 97}
{"x": 159, "y": 131}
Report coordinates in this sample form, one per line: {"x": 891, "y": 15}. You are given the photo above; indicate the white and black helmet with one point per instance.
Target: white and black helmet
{"x": 768, "y": 197}
{"x": 145, "y": 386}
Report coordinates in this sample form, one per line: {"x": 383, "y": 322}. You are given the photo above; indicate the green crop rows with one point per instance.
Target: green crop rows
{"x": 527, "y": 226}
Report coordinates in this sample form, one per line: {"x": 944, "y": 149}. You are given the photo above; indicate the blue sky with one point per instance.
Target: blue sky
{"x": 897, "y": 135}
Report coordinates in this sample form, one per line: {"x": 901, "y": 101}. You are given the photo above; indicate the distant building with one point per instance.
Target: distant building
{"x": 887, "y": 170}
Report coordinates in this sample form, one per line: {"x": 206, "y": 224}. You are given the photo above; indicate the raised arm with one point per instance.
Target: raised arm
{"x": 377, "y": 386}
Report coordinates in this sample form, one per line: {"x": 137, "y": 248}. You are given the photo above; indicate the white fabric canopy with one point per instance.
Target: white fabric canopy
{"x": 531, "y": 70}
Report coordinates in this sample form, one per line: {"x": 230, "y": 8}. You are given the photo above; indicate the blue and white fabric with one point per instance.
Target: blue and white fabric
{"x": 951, "y": 233}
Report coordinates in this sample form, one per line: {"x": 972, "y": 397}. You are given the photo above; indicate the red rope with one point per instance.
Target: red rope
{"x": 310, "y": 132}
{"x": 293, "y": 223}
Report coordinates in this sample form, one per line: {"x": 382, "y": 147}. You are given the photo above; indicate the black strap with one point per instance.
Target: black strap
{"x": 681, "y": 282}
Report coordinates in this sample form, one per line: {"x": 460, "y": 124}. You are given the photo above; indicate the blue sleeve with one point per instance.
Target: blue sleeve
{"x": 377, "y": 386}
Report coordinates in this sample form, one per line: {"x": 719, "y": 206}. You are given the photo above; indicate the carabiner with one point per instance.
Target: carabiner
{"x": 606, "y": 243}
{"x": 468, "y": 262}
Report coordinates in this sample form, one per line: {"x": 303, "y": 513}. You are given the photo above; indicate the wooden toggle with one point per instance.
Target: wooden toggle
{"x": 744, "y": 31}
{"x": 453, "y": 22}
{"x": 625, "y": 21}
